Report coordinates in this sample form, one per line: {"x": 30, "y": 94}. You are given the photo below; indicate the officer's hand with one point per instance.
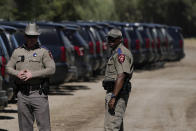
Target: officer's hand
{"x": 111, "y": 103}
{"x": 28, "y": 75}
{"x": 21, "y": 75}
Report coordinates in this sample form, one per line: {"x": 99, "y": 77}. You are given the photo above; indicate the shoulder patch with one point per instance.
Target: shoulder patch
{"x": 121, "y": 58}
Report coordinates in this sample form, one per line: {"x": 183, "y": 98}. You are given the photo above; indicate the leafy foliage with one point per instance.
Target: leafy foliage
{"x": 171, "y": 12}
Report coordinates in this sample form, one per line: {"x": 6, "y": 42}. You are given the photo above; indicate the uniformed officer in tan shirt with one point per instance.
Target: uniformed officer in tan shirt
{"x": 117, "y": 81}
{"x": 31, "y": 65}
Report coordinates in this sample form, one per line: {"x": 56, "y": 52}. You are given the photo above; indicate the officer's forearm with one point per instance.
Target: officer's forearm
{"x": 119, "y": 84}
{"x": 44, "y": 72}
{"x": 11, "y": 71}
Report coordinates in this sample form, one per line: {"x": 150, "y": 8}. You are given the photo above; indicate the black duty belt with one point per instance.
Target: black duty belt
{"x": 29, "y": 87}
{"x": 109, "y": 86}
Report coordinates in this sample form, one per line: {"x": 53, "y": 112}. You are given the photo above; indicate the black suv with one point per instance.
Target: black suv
{"x": 147, "y": 39}
{"x": 81, "y": 48}
{"x": 177, "y": 41}
{"x": 88, "y": 37}
{"x": 93, "y": 30}
{"x": 4, "y": 59}
{"x": 168, "y": 43}
{"x": 53, "y": 37}
{"x": 157, "y": 48}
{"x": 3, "y": 95}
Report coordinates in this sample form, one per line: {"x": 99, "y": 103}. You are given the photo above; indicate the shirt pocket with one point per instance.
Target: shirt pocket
{"x": 20, "y": 59}
{"x": 35, "y": 63}
{"x": 19, "y": 62}
{"x": 111, "y": 67}
{"x": 36, "y": 59}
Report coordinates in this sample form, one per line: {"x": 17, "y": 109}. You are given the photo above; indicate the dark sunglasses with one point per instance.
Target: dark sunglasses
{"x": 111, "y": 39}
{"x": 31, "y": 36}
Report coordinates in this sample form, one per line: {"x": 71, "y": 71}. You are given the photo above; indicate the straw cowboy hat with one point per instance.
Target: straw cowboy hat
{"x": 32, "y": 29}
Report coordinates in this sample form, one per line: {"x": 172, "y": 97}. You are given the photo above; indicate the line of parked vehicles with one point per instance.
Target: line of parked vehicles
{"x": 80, "y": 51}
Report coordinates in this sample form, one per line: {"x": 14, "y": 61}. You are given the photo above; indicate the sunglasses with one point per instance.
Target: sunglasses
{"x": 111, "y": 39}
{"x": 31, "y": 36}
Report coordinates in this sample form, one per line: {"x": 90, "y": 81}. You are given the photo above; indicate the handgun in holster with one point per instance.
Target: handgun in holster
{"x": 44, "y": 86}
{"x": 127, "y": 85}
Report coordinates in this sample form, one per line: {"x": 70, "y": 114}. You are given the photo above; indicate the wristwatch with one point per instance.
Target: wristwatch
{"x": 113, "y": 96}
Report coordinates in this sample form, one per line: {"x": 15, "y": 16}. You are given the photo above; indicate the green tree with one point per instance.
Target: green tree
{"x": 96, "y": 10}
{"x": 30, "y": 10}
{"x": 7, "y": 9}
{"x": 127, "y": 10}
{"x": 170, "y": 12}
{"x": 61, "y": 10}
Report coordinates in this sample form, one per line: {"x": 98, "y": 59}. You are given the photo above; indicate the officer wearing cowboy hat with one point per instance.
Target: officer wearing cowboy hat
{"x": 31, "y": 65}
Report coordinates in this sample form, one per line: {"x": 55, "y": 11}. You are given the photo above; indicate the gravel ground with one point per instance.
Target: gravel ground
{"x": 161, "y": 100}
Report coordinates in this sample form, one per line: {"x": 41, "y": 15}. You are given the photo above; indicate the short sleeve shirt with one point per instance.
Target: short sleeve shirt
{"x": 121, "y": 61}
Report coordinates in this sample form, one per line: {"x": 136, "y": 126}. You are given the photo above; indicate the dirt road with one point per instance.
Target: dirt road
{"x": 161, "y": 100}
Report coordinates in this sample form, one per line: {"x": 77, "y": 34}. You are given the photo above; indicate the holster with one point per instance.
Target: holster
{"x": 45, "y": 86}
{"x": 108, "y": 85}
{"x": 126, "y": 84}
{"x": 126, "y": 87}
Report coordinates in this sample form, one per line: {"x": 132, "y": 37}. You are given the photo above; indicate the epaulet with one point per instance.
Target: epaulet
{"x": 119, "y": 51}
{"x": 42, "y": 46}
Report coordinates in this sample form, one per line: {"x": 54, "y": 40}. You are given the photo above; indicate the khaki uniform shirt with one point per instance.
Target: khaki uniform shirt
{"x": 38, "y": 61}
{"x": 121, "y": 61}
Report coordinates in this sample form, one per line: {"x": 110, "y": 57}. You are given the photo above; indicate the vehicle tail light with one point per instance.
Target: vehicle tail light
{"x": 79, "y": 50}
{"x": 104, "y": 46}
{"x": 63, "y": 54}
{"x": 159, "y": 42}
{"x": 3, "y": 66}
{"x": 137, "y": 44}
{"x": 98, "y": 49}
{"x": 126, "y": 42}
{"x": 91, "y": 50}
{"x": 181, "y": 43}
{"x": 147, "y": 43}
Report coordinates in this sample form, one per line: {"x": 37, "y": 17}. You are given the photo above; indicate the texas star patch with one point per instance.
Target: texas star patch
{"x": 121, "y": 58}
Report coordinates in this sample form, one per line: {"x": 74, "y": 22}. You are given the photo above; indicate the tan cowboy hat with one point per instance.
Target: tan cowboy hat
{"x": 32, "y": 29}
